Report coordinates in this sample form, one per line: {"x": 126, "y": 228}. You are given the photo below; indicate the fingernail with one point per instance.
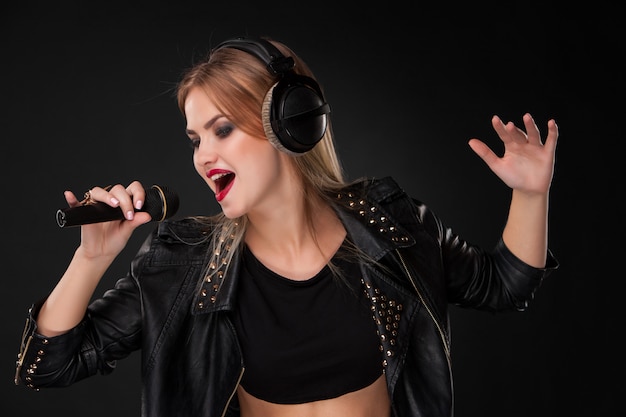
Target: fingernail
{"x": 115, "y": 201}
{"x": 138, "y": 204}
{"x": 129, "y": 215}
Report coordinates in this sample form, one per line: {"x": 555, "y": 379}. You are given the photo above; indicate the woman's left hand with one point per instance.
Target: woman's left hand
{"x": 527, "y": 164}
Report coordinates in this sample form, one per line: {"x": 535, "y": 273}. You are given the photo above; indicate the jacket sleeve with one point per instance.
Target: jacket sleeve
{"x": 110, "y": 330}
{"x": 493, "y": 280}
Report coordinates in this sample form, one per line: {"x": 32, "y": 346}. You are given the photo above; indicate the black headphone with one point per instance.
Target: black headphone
{"x": 295, "y": 114}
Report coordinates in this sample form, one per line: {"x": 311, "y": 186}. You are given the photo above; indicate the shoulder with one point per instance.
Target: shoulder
{"x": 187, "y": 230}
{"x": 384, "y": 207}
{"x": 375, "y": 189}
{"x": 379, "y": 194}
{"x": 176, "y": 241}
{"x": 378, "y": 191}
{"x": 379, "y": 201}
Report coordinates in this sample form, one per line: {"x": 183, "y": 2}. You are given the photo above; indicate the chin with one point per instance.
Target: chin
{"x": 232, "y": 213}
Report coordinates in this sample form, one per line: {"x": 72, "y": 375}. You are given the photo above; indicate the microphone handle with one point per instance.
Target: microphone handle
{"x": 160, "y": 203}
{"x": 92, "y": 213}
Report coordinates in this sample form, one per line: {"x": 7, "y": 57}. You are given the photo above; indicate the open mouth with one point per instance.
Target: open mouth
{"x": 222, "y": 181}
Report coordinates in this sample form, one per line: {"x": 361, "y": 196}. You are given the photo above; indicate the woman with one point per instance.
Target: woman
{"x": 308, "y": 295}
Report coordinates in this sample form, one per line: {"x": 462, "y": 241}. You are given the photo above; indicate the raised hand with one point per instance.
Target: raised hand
{"x": 527, "y": 164}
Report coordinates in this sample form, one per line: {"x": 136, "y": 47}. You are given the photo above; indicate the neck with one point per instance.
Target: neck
{"x": 286, "y": 241}
{"x": 282, "y": 226}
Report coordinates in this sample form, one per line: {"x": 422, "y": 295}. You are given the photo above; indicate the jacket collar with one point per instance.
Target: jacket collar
{"x": 362, "y": 209}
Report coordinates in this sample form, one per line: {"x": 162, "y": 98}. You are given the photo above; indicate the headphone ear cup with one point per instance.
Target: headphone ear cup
{"x": 295, "y": 115}
{"x": 267, "y": 125}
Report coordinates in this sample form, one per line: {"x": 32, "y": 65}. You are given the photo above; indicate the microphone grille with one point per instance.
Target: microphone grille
{"x": 161, "y": 202}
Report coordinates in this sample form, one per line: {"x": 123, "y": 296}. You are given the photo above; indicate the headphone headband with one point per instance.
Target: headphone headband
{"x": 264, "y": 50}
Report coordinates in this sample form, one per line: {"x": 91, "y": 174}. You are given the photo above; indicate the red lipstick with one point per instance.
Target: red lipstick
{"x": 223, "y": 180}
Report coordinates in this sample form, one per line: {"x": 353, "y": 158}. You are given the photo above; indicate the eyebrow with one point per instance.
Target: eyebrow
{"x": 207, "y": 125}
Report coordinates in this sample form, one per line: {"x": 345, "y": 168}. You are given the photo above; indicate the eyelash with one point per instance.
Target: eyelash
{"x": 224, "y": 130}
{"x": 194, "y": 143}
{"x": 221, "y": 132}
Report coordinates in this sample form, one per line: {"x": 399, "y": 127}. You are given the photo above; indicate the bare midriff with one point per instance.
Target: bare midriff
{"x": 371, "y": 401}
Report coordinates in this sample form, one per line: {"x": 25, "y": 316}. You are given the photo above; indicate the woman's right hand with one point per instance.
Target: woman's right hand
{"x": 107, "y": 239}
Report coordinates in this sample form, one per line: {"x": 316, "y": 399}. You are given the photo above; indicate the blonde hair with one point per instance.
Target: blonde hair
{"x": 237, "y": 83}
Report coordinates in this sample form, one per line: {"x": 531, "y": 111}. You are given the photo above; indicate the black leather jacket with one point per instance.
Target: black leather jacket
{"x": 191, "y": 359}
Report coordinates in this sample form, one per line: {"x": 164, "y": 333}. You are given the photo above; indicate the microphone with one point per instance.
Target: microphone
{"x": 160, "y": 203}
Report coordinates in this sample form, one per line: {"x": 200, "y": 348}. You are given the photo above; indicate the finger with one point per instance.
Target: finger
{"x": 124, "y": 200}
{"x": 71, "y": 199}
{"x": 498, "y": 126}
{"x": 483, "y": 151}
{"x": 553, "y": 135}
{"x": 102, "y": 194}
{"x": 138, "y": 193}
{"x": 532, "y": 131}
{"x": 507, "y": 132}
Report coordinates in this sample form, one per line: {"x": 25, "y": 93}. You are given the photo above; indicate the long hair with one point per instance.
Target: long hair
{"x": 237, "y": 83}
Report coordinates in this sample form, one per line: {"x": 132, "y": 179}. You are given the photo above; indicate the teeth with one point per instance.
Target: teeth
{"x": 218, "y": 176}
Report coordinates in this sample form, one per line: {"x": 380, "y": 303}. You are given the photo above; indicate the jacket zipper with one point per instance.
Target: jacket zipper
{"x": 234, "y": 391}
{"x": 419, "y": 294}
{"x": 20, "y": 356}
{"x": 20, "y": 360}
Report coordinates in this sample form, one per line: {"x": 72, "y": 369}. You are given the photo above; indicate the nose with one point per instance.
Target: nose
{"x": 206, "y": 152}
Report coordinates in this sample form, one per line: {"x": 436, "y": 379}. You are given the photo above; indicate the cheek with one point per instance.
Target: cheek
{"x": 256, "y": 156}
{"x": 272, "y": 171}
{"x": 265, "y": 159}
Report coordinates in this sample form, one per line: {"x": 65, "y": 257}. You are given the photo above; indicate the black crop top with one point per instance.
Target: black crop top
{"x": 306, "y": 340}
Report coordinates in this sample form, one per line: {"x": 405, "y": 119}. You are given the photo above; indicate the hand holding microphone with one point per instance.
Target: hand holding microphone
{"x": 160, "y": 203}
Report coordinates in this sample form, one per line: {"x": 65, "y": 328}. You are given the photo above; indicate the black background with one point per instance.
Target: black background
{"x": 87, "y": 97}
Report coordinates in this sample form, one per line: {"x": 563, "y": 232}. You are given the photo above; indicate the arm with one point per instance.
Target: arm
{"x": 55, "y": 349}
{"x": 100, "y": 243}
{"x": 527, "y": 167}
